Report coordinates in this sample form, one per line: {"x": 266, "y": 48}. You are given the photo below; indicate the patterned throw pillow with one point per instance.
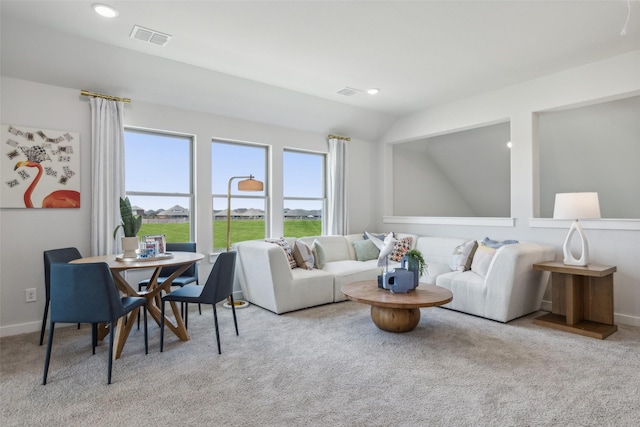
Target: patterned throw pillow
{"x": 303, "y": 255}
{"x": 400, "y": 248}
{"x": 287, "y": 250}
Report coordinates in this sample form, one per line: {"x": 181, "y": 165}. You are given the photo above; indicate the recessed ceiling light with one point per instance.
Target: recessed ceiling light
{"x": 509, "y": 145}
{"x": 373, "y": 91}
{"x": 104, "y": 10}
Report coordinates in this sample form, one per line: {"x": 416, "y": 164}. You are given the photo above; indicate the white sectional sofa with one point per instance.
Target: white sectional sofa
{"x": 505, "y": 289}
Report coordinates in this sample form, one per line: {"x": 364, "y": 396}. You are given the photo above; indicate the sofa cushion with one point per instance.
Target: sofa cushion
{"x": 463, "y": 256}
{"x": 401, "y": 247}
{"x": 287, "y": 250}
{"x": 365, "y": 250}
{"x": 432, "y": 270}
{"x": 303, "y": 255}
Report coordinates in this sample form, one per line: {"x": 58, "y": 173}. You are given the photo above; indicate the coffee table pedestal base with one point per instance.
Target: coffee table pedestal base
{"x": 395, "y": 319}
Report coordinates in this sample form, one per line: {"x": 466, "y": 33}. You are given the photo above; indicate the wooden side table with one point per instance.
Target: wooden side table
{"x": 582, "y": 299}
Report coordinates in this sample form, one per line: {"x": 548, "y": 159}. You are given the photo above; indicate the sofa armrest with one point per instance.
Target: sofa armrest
{"x": 264, "y": 267}
{"x": 513, "y": 288}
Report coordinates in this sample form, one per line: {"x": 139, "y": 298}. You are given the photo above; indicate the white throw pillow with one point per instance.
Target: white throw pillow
{"x": 482, "y": 260}
{"x": 463, "y": 256}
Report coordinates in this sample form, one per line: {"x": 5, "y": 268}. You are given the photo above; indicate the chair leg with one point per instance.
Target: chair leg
{"x": 94, "y": 336}
{"x": 112, "y": 330}
{"x": 47, "y": 358}
{"x": 215, "y": 320}
{"x": 185, "y": 314}
{"x": 44, "y": 320}
{"x": 78, "y": 325}
{"x": 146, "y": 337}
{"x": 233, "y": 309}
{"x": 200, "y": 309}
{"x": 162, "y": 329}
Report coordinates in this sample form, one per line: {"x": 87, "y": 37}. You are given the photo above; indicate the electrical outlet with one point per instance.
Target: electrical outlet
{"x": 30, "y": 295}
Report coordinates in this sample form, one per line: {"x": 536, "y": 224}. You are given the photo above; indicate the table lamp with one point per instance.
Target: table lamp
{"x": 247, "y": 184}
{"x": 576, "y": 206}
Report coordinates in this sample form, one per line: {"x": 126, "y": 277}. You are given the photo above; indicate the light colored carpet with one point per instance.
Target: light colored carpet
{"x": 329, "y": 365}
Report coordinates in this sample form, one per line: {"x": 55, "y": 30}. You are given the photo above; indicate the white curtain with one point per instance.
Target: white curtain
{"x": 337, "y": 221}
{"x": 107, "y": 173}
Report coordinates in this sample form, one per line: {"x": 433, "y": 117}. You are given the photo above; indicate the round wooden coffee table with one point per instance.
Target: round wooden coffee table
{"x": 396, "y": 312}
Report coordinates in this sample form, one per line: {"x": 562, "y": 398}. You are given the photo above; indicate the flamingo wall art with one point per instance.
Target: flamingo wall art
{"x": 40, "y": 168}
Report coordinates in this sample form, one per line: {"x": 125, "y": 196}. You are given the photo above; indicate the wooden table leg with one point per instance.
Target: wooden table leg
{"x": 395, "y": 319}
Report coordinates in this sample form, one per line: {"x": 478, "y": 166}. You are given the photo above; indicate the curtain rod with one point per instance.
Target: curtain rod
{"x": 101, "y": 95}
{"x": 344, "y": 138}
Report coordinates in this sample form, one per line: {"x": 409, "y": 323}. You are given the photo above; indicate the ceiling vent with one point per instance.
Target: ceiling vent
{"x": 150, "y": 36}
{"x": 348, "y": 91}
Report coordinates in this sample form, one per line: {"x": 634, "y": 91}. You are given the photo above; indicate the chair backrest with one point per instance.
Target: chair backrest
{"x": 192, "y": 271}
{"x": 220, "y": 282}
{"x": 63, "y": 255}
{"x": 84, "y": 293}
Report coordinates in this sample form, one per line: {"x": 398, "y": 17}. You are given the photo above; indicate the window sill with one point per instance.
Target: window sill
{"x": 593, "y": 224}
{"x": 433, "y": 220}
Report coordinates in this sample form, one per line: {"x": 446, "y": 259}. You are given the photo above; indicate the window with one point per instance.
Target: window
{"x": 159, "y": 182}
{"x": 248, "y": 209}
{"x": 304, "y": 193}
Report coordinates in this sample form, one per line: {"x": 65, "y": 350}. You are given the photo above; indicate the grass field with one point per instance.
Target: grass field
{"x": 240, "y": 230}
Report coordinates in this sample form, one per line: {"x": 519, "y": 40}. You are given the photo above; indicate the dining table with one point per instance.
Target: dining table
{"x": 153, "y": 293}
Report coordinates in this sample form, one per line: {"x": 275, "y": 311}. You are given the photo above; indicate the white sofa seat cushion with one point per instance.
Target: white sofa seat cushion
{"x": 348, "y": 272}
{"x": 432, "y": 271}
{"x": 469, "y": 291}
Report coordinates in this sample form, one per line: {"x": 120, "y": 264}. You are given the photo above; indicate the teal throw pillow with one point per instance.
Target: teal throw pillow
{"x": 365, "y": 250}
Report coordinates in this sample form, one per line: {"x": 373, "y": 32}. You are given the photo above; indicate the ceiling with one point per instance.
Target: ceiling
{"x": 418, "y": 53}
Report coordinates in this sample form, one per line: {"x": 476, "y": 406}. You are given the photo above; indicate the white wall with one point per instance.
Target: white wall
{"x": 26, "y": 233}
{"x": 611, "y": 243}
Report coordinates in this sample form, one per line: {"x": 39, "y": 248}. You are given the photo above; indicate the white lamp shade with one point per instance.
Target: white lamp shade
{"x": 576, "y": 206}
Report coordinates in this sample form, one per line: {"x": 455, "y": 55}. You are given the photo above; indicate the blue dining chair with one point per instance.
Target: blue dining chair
{"x": 218, "y": 287}
{"x": 86, "y": 293}
{"x": 63, "y": 255}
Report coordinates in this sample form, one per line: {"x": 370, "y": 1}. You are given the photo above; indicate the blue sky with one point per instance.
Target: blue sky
{"x": 160, "y": 163}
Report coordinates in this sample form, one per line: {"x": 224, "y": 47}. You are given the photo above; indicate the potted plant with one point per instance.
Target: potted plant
{"x": 130, "y": 225}
{"x": 416, "y": 264}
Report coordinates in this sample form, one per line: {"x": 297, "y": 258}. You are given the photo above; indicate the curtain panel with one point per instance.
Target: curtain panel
{"x": 337, "y": 209}
{"x": 107, "y": 173}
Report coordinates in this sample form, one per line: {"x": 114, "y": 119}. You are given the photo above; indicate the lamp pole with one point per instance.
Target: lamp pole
{"x": 249, "y": 184}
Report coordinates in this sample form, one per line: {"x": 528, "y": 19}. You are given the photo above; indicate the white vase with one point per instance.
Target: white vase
{"x": 130, "y": 247}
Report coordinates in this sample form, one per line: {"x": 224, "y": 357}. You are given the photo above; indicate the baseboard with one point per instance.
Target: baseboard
{"x": 618, "y": 319}
{"x": 26, "y": 328}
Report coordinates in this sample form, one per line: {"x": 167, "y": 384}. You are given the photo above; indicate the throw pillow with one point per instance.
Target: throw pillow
{"x": 496, "y": 245}
{"x": 287, "y": 250}
{"x": 463, "y": 255}
{"x": 400, "y": 248}
{"x": 482, "y": 259}
{"x": 380, "y": 237}
{"x": 303, "y": 255}
{"x": 365, "y": 250}
{"x": 318, "y": 254}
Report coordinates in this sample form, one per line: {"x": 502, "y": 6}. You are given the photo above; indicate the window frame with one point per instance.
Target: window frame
{"x": 264, "y": 197}
{"x": 191, "y": 194}
{"x": 322, "y": 199}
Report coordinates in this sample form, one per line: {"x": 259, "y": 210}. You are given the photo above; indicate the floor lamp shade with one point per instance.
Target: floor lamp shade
{"x": 247, "y": 184}
{"x": 576, "y": 206}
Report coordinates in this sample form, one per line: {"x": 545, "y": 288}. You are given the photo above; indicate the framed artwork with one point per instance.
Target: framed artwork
{"x": 40, "y": 168}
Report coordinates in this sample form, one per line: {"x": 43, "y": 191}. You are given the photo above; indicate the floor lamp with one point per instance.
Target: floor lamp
{"x": 576, "y": 206}
{"x": 247, "y": 184}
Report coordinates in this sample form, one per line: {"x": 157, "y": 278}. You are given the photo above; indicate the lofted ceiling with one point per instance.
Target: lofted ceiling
{"x": 418, "y": 53}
